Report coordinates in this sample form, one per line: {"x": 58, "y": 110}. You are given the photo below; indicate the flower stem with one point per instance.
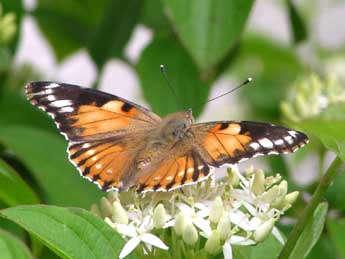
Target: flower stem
{"x": 308, "y": 211}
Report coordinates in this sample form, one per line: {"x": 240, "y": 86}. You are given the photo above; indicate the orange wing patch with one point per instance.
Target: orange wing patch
{"x": 230, "y": 142}
{"x": 102, "y": 163}
{"x": 224, "y": 141}
{"x": 174, "y": 173}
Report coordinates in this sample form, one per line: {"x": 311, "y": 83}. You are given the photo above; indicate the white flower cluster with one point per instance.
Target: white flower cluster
{"x": 311, "y": 95}
{"x": 238, "y": 210}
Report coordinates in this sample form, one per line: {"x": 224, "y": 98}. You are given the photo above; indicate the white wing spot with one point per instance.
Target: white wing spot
{"x": 266, "y": 143}
{"x": 98, "y": 166}
{"x": 52, "y": 85}
{"x": 66, "y": 109}
{"x": 169, "y": 178}
{"x": 279, "y": 142}
{"x": 288, "y": 139}
{"x": 109, "y": 171}
{"x": 51, "y": 98}
{"x": 61, "y": 103}
{"x": 180, "y": 173}
{"x": 255, "y": 146}
{"x": 94, "y": 158}
{"x": 190, "y": 170}
{"x": 292, "y": 133}
{"x": 86, "y": 145}
{"x": 200, "y": 167}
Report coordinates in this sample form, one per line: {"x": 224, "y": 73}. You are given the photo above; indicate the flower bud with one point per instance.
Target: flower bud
{"x": 264, "y": 230}
{"x": 106, "y": 207}
{"x": 291, "y": 197}
{"x": 95, "y": 210}
{"x": 212, "y": 245}
{"x": 233, "y": 178}
{"x": 258, "y": 185}
{"x": 180, "y": 223}
{"x": 159, "y": 216}
{"x": 119, "y": 213}
{"x": 190, "y": 234}
{"x": 283, "y": 187}
{"x": 216, "y": 210}
{"x": 270, "y": 195}
{"x": 224, "y": 226}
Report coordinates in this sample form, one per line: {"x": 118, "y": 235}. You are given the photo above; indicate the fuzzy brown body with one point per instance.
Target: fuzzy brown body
{"x": 118, "y": 144}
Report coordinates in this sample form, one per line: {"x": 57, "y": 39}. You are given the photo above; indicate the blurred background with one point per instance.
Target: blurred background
{"x": 291, "y": 49}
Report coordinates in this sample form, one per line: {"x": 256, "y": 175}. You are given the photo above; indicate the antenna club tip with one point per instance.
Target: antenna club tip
{"x": 161, "y": 66}
{"x": 250, "y": 79}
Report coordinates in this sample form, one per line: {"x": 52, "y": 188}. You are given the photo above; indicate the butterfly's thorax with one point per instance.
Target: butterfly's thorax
{"x": 166, "y": 136}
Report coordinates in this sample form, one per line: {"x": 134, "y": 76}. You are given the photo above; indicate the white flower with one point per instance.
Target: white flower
{"x": 197, "y": 215}
{"x": 136, "y": 237}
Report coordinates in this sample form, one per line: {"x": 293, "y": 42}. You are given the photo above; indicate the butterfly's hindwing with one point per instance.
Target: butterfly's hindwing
{"x": 230, "y": 142}
{"x": 174, "y": 173}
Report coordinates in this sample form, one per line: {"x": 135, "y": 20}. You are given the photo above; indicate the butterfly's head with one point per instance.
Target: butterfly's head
{"x": 177, "y": 124}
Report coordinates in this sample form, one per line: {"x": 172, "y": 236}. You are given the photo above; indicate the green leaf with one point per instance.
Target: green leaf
{"x": 11, "y": 247}
{"x": 336, "y": 228}
{"x": 70, "y": 232}
{"x": 5, "y": 60}
{"x": 182, "y": 73}
{"x": 297, "y": 25}
{"x": 324, "y": 248}
{"x": 114, "y": 29}
{"x": 45, "y": 156}
{"x": 15, "y": 110}
{"x": 311, "y": 232}
{"x": 13, "y": 190}
{"x": 208, "y": 28}
{"x": 103, "y": 26}
{"x": 153, "y": 16}
{"x": 16, "y": 7}
{"x": 269, "y": 249}
{"x": 68, "y": 24}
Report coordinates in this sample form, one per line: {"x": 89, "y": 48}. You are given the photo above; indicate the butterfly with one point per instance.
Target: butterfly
{"x": 118, "y": 144}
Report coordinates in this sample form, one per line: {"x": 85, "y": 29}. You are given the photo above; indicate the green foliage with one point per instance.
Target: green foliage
{"x": 185, "y": 79}
{"x": 198, "y": 41}
{"x": 208, "y": 26}
{"x": 311, "y": 232}
{"x": 269, "y": 249}
{"x": 21, "y": 194}
{"x": 70, "y": 232}
{"x": 11, "y": 247}
{"x": 58, "y": 180}
{"x": 336, "y": 229}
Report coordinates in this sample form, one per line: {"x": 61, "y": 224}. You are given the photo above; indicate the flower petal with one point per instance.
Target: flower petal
{"x": 203, "y": 225}
{"x": 185, "y": 209}
{"x": 129, "y": 247}
{"x": 277, "y": 235}
{"x": 154, "y": 241}
{"x": 127, "y": 230}
{"x": 227, "y": 250}
{"x": 238, "y": 240}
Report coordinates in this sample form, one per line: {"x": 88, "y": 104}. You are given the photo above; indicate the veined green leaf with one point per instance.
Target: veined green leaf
{"x": 11, "y": 247}
{"x": 13, "y": 190}
{"x": 70, "y": 232}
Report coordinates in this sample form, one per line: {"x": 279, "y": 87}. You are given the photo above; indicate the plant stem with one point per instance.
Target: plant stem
{"x": 308, "y": 211}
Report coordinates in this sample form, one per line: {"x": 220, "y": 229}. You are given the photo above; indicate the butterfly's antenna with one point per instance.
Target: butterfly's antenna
{"x": 249, "y": 79}
{"x": 164, "y": 73}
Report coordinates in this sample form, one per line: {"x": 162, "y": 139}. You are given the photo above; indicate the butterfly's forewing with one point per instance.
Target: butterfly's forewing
{"x": 230, "y": 142}
{"x": 174, "y": 172}
{"x": 83, "y": 114}
{"x": 104, "y": 131}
